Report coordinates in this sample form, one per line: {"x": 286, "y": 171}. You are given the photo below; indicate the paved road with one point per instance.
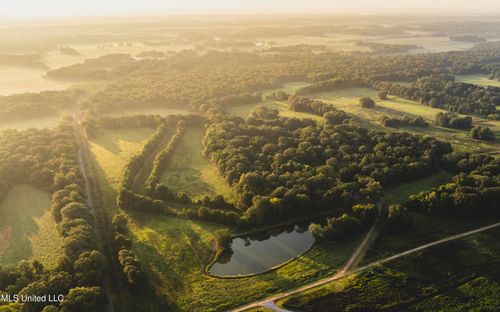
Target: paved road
{"x": 82, "y": 146}
{"x": 269, "y": 302}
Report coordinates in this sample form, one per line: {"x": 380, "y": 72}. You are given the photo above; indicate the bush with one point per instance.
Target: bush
{"x": 454, "y": 121}
{"x": 366, "y": 102}
{"x": 482, "y": 133}
{"x": 398, "y": 219}
{"x": 382, "y": 95}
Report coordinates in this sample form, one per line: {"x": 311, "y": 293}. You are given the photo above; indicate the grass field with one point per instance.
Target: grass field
{"x": 348, "y": 101}
{"x": 460, "y": 275}
{"x": 43, "y": 122}
{"x": 189, "y": 171}
{"x": 290, "y": 88}
{"x": 19, "y": 80}
{"x": 110, "y": 151}
{"x": 27, "y": 228}
{"x": 478, "y": 79}
{"x": 176, "y": 250}
{"x": 150, "y": 111}
{"x": 400, "y": 193}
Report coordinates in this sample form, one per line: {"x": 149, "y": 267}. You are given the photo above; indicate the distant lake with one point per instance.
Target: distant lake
{"x": 259, "y": 253}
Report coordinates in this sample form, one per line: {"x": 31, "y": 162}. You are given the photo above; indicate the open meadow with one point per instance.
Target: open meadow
{"x": 190, "y": 172}
{"x": 111, "y": 149}
{"x": 27, "y": 229}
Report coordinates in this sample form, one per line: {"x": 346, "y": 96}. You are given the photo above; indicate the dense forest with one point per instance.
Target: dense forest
{"x": 288, "y": 166}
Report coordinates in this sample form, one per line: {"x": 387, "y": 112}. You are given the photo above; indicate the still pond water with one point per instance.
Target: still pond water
{"x": 259, "y": 253}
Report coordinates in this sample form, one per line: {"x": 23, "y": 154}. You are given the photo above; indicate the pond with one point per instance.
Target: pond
{"x": 259, "y": 253}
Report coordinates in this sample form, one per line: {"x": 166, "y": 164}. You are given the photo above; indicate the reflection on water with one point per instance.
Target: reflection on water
{"x": 258, "y": 253}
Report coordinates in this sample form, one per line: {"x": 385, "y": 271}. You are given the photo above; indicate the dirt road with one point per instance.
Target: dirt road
{"x": 270, "y": 302}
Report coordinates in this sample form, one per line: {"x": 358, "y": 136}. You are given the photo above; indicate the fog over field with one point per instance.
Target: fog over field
{"x": 52, "y": 8}
{"x": 279, "y": 155}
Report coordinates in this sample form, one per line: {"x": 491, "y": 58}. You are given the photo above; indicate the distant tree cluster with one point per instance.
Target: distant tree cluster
{"x": 475, "y": 39}
{"x": 33, "y": 105}
{"x": 385, "y": 48}
{"x": 316, "y": 107}
{"x": 454, "y": 121}
{"x": 69, "y": 51}
{"x": 482, "y": 133}
{"x": 278, "y": 96}
{"x": 367, "y": 102}
{"x": 201, "y": 81}
{"x": 101, "y": 68}
{"x": 332, "y": 84}
{"x": 441, "y": 91}
{"x": 406, "y": 121}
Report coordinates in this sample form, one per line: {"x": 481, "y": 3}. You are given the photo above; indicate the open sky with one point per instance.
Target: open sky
{"x": 67, "y": 8}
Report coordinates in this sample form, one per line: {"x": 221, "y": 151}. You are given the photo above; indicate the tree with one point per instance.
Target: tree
{"x": 382, "y": 95}
{"x": 366, "y": 102}
{"x": 89, "y": 268}
{"x": 482, "y": 133}
{"x": 84, "y": 299}
{"x": 398, "y": 219}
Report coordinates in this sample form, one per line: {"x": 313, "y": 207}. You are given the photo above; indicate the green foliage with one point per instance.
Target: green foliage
{"x": 470, "y": 194}
{"x": 366, "y": 102}
{"x": 482, "y": 133}
{"x": 84, "y": 299}
{"x": 452, "y": 120}
{"x": 398, "y": 219}
{"x": 287, "y": 166}
{"x": 406, "y": 121}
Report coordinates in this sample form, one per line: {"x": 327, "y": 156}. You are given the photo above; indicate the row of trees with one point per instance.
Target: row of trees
{"x": 406, "y": 121}
{"x": 441, "y": 91}
{"x": 348, "y": 224}
{"x": 48, "y": 159}
{"x": 33, "y": 105}
{"x": 160, "y": 163}
{"x": 158, "y": 195}
{"x": 130, "y": 264}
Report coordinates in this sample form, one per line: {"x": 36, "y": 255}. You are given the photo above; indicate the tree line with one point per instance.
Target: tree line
{"x": 48, "y": 159}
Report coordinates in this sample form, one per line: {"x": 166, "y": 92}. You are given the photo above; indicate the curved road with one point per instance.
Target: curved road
{"x": 270, "y": 302}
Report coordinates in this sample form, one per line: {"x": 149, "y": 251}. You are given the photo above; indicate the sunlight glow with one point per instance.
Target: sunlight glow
{"x": 64, "y": 8}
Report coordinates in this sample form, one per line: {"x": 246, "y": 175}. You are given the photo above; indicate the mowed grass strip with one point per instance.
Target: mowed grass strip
{"x": 190, "y": 172}
{"x": 348, "y": 100}
{"x": 478, "y": 79}
{"x": 176, "y": 250}
{"x": 110, "y": 151}
{"x": 245, "y": 110}
{"x": 27, "y": 228}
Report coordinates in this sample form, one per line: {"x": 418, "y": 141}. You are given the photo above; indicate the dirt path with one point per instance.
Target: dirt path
{"x": 83, "y": 148}
{"x": 270, "y": 302}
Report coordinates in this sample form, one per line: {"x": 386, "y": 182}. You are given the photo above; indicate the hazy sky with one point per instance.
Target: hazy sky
{"x": 62, "y": 8}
